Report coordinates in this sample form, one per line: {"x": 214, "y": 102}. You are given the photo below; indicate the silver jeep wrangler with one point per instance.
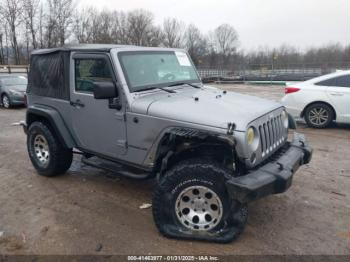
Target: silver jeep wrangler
{"x": 144, "y": 113}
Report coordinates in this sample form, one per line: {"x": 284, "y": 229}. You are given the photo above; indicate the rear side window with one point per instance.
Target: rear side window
{"x": 14, "y": 81}
{"x": 88, "y": 71}
{"x": 48, "y": 75}
{"x": 328, "y": 82}
{"x": 343, "y": 81}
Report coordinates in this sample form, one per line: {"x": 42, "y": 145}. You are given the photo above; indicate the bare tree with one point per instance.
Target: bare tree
{"x": 226, "y": 38}
{"x": 30, "y": 12}
{"x": 105, "y": 23}
{"x": 60, "y": 16}
{"x": 27, "y": 40}
{"x": 7, "y": 42}
{"x": 154, "y": 37}
{"x": 140, "y": 26}
{"x": 195, "y": 43}
{"x": 2, "y": 55}
{"x": 11, "y": 11}
{"x": 120, "y": 30}
{"x": 82, "y": 25}
{"x": 172, "y": 30}
{"x": 41, "y": 25}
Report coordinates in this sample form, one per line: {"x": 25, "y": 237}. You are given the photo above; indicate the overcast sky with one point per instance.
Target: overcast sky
{"x": 302, "y": 23}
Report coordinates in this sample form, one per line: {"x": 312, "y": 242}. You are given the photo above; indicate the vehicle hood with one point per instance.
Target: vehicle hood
{"x": 206, "y": 106}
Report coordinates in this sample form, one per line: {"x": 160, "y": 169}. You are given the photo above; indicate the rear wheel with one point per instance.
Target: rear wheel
{"x": 46, "y": 152}
{"x": 6, "y": 102}
{"x": 191, "y": 202}
{"x": 319, "y": 115}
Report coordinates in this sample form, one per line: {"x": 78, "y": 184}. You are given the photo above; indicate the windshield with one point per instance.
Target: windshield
{"x": 14, "y": 81}
{"x": 156, "y": 69}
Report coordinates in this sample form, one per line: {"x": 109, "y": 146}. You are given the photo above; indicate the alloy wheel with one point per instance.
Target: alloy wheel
{"x": 6, "y": 101}
{"x": 41, "y": 149}
{"x": 198, "y": 208}
{"x": 318, "y": 116}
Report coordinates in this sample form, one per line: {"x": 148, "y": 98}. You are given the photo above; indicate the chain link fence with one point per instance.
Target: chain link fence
{"x": 271, "y": 72}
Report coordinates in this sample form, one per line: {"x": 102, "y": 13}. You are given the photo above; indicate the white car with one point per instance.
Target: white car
{"x": 321, "y": 100}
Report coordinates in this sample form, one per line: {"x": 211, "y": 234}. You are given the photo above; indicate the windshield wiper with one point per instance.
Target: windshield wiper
{"x": 166, "y": 90}
{"x": 144, "y": 89}
{"x": 181, "y": 84}
{"x": 152, "y": 88}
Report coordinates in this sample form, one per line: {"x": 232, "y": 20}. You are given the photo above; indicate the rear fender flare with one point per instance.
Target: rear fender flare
{"x": 52, "y": 116}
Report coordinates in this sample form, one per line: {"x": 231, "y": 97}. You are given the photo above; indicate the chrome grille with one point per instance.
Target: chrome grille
{"x": 272, "y": 135}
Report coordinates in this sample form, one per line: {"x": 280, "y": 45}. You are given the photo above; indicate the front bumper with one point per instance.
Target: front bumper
{"x": 274, "y": 177}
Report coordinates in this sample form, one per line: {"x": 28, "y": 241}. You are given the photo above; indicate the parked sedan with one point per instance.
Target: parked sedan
{"x": 321, "y": 100}
{"x": 12, "y": 90}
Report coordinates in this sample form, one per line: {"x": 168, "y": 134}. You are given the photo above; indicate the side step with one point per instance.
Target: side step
{"x": 115, "y": 168}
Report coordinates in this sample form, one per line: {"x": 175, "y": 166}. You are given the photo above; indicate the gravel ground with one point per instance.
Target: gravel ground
{"x": 88, "y": 211}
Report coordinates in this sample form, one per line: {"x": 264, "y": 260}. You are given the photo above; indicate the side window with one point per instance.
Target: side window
{"x": 343, "y": 81}
{"x": 88, "y": 71}
{"x": 328, "y": 82}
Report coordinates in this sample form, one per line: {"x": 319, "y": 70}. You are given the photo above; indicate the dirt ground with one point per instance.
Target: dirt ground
{"x": 88, "y": 211}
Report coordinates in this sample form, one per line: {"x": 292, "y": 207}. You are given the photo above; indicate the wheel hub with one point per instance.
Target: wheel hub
{"x": 198, "y": 208}
{"x": 318, "y": 116}
{"x": 41, "y": 149}
{"x": 5, "y": 102}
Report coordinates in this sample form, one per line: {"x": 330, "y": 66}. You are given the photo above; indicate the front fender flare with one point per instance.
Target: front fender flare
{"x": 186, "y": 133}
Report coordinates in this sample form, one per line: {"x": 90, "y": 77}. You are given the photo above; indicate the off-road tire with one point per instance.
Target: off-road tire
{"x": 60, "y": 157}
{"x": 197, "y": 172}
{"x": 314, "y": 108}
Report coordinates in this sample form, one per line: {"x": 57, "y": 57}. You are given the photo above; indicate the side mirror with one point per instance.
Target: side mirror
{"x": 105, "y": 90}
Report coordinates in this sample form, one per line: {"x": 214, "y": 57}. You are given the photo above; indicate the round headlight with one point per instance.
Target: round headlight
{"x": 252, "y": 138}
{"x": 285, "y": 119}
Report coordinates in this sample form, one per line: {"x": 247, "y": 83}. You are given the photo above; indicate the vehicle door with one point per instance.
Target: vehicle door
{"x": 98, "y": 125}
{"x": 339, "y": 94}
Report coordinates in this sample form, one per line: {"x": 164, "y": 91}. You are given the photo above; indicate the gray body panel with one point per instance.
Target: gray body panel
{"x": 97, "y": 127}
{"x": 213, "y": 108}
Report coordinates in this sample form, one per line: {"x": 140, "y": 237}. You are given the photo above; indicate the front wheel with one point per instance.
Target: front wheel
{"x": 191, "y": 202}
{"x": 46, "y": 152}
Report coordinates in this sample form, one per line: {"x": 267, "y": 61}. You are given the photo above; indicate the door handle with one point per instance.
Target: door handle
{"x": 77, "y": 103}
{"x": 337, "y": 94}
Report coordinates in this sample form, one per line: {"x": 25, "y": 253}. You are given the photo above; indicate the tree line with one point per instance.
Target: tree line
{"x": 26, "y": 25}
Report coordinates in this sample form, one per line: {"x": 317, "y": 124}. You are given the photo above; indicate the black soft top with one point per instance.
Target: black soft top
{"x": 81, "y": 47}
{"x": 50, "y": 68}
